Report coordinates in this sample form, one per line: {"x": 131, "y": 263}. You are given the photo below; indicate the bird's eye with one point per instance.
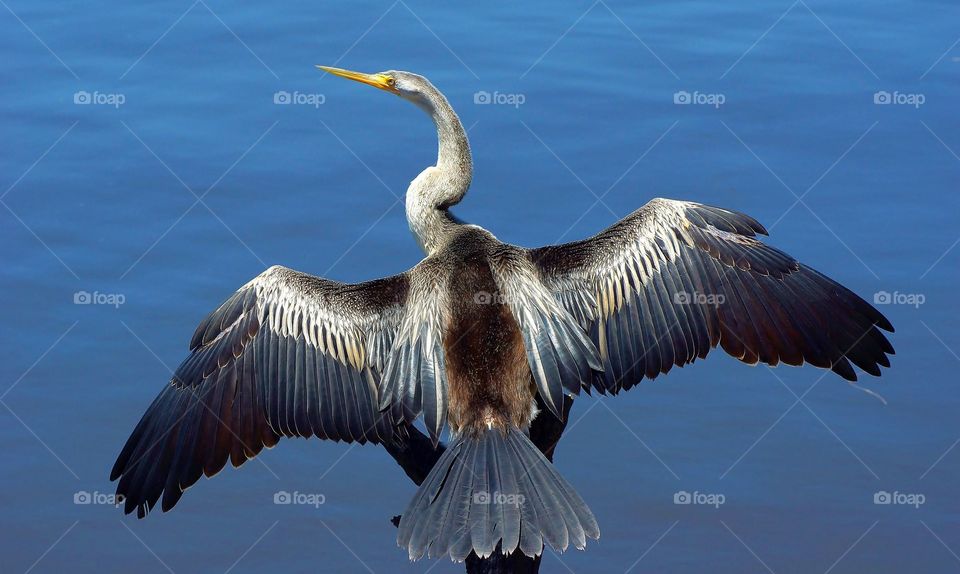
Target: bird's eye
{"x": 390, "y": 81}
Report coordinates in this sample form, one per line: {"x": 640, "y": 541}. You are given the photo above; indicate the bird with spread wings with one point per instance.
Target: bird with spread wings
{"x": 471, "y": 337}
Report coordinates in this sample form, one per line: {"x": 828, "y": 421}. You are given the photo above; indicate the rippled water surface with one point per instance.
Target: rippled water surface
{"x": 102, "y": 197}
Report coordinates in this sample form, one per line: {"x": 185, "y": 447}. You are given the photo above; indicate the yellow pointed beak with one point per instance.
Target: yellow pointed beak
{"x": 385, "y": 83}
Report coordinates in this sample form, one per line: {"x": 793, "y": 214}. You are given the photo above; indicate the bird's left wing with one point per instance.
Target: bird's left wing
{"x": 289, "y": 354}
{"x": 674, "y": 279}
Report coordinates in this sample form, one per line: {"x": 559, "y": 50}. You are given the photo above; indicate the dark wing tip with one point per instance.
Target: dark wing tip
{"x": 842, "y": 367}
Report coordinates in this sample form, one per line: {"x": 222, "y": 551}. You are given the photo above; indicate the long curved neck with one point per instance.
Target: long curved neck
{"x": 443, "y": 185}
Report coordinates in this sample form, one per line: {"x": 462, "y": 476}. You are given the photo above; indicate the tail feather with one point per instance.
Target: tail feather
{"x": 549, "y": 526}
{"x": 442, "y": 511}
{"x": 531, "y": 537}
{"x": 481, "y": 525}
{"x": 489, "y": 490}
{"x": 509, "y": 516}
{"x": 557, "y": 514}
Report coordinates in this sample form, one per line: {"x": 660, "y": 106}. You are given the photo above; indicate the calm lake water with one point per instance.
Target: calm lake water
{"x": 115, "y": 115}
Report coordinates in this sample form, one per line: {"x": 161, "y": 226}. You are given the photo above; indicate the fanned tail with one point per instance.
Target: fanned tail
{"x": 491, "y": 489}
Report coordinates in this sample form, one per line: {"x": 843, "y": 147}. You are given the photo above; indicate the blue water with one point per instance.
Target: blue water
{"x": 99, "y": 198}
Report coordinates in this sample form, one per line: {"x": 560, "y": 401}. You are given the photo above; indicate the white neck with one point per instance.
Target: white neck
{"x": 443, "y": 185}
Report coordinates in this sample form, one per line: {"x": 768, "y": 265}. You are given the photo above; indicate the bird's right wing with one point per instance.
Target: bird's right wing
{"x": 674, "y": 279}
{"x": 289, "y": 354}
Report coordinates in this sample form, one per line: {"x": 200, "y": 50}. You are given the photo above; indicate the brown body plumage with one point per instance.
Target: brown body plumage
{"x": 490, "y": 381}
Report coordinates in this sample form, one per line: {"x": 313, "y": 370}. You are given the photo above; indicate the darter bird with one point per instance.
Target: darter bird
{"x": 471, "y": 336}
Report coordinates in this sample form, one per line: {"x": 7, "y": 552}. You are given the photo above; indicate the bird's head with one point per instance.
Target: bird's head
{"x": 409, "y": 86}
{"x": 440, "y": 186}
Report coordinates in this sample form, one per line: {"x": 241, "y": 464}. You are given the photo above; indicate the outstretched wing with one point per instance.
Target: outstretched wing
{"x": 674, "y": 279}
{"x": 289, "y": 354}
